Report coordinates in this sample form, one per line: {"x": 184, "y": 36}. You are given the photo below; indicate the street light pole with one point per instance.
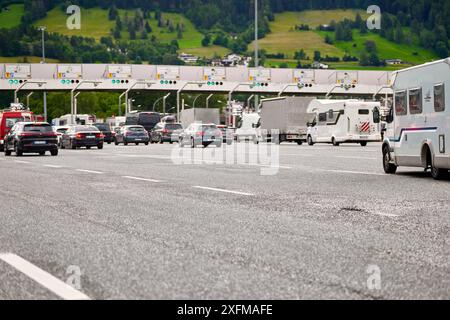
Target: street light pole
{"x": 42, "y": 28}
{"x": 256, "y": 45}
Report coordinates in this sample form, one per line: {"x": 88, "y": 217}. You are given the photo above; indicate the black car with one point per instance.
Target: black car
{"x": 166, "y": 132}
{"x": 31, "y": 137}
{"x": 107, "y": 132}
{"x": 132, "y": 134}
{"x": 82, "y": 136}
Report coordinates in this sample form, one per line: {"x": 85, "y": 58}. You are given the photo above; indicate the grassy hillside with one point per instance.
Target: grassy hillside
{"x": 285, "y": 39}
{"x": 25, "y": 59}
{"x": 95, "y": 23}
{"x": 11, "y": 18}
{"x": 386, "y": 49}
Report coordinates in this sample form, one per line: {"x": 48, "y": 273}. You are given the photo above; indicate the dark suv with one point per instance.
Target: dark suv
{"x": 31, "y": 137}
{"x": 107, "y": 132}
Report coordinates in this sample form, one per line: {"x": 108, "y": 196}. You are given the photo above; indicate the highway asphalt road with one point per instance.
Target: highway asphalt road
{"x": 137, "y": 224}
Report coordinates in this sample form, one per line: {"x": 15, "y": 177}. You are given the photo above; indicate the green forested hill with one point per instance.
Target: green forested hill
{"x": 153, "y": 31}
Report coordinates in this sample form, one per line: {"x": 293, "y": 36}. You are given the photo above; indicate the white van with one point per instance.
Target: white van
{"x": 418, "y": 132}
{"x": 246, "y": 128}
{"x": 344, "y": 121}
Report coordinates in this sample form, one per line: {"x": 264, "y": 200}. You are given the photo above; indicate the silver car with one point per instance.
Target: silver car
{"x": 198, "y": 134}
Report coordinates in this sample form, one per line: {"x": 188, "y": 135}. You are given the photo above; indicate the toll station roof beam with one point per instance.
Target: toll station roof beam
{"x": 379, "y": 91}
{"x": 287, "y": 87}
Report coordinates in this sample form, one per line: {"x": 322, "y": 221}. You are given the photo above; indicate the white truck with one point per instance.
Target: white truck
{"x": 199, "y": 115}
{"x": 246, "y": 127}
{"x": 283, "y": 119}
{"x": 418, "y": 131}
{"x": 344, "y": 121}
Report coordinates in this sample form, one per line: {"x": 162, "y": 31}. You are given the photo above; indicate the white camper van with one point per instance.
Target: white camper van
{"x": 82, "y": 119}
{"x": 418, "y": 132}
{"x": 344, "y": 121}
{"x": 246, "y": 128}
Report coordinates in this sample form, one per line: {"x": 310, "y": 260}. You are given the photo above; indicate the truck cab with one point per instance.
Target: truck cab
{"x": 9, "y": 117}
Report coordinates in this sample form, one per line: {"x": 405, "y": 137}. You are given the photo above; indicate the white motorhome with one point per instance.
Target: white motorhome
{"x": 344, "y": 121}
{"x": 246, "y": 128}
{"x": 82, "y": 119}
{"x": 418, "y": 132}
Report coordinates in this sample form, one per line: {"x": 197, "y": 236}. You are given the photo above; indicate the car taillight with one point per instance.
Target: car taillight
{"x": 100, "y": 135}
{"x": 26, "y": 134}
{"x": 165, "y": 131}
{"x": 199, "y": 134}
{"x": 78, "y": 136}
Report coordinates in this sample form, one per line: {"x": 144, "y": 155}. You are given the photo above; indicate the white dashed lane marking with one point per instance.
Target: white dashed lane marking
{"x": 224, "y": 190}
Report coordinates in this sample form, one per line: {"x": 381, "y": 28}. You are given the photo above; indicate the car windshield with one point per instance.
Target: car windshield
{"x": 10, "y": 122}
{"x": 62, "y": 130}
{"x": 173, "y": 126}
{"x": 103, "y": 127}
{"x": 37, "y": 128}
{"x": 135, "y": 129}
{"x": 86, "y": 129}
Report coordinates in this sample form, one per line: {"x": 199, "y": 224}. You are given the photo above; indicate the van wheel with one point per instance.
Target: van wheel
{"x": 299, "y": 142}
{"x": 310, "y": 141}
{"x": 389, "y": 167}
{"x": 334, "y": 142}
{"x": 438, "y": 174}
{"x": 364, "y": 144}
{"x": 192, "y": 143}
{"x": 7, "y": 152}
{"x": 42, "y": 153}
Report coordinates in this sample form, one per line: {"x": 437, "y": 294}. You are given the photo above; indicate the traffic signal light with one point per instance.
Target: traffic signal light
{"x": 168, "y": 82}
{"x": 120, "y": 81}
{"x": 215, "y": 83}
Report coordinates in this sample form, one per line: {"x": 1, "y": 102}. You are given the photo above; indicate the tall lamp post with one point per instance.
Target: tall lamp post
{"x": 256, "y": 45}
{"x": 42, "y": 29}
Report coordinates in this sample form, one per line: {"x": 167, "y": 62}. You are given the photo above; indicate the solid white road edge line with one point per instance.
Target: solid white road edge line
{"x": 141, "y": 179}
{"x": 89, "y": 171}
{"x": 20, "y": 161}
{"x": 52, "y": 166}
{"x": 42, "y": 277}
{"x": 224, "y": 190}
{"x": 355, "y": 172}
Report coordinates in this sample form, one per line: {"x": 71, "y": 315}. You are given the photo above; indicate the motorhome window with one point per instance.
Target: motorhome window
{"x": 415, "y": 101}
{"x": 400, "y": 103}
{"x": 363, "y": 111}
{"x": 439, "y": 98}
{"x": 322, "y": 117}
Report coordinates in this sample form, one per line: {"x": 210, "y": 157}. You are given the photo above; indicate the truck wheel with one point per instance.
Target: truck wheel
{"x": 334, "y": 142}
{"x": 54, "y": 153}
{"x": 364, "y": 144}
{"x": 7, "y": 152}
{"x": 310, "y": 141}
{"x": 299, "y": 142}
{"x": 389, "y": 167}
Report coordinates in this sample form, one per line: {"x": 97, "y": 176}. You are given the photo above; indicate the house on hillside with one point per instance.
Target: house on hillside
{"x": 188, "y": 58}
{"x": 394, "y": 61}
{"x": 319, "y": 65}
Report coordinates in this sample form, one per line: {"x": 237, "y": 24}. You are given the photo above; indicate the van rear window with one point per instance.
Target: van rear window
{"x": 363, "y": 111}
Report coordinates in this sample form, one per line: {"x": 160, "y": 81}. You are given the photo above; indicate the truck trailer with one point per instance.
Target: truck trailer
{"x": 284, "y": 119}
